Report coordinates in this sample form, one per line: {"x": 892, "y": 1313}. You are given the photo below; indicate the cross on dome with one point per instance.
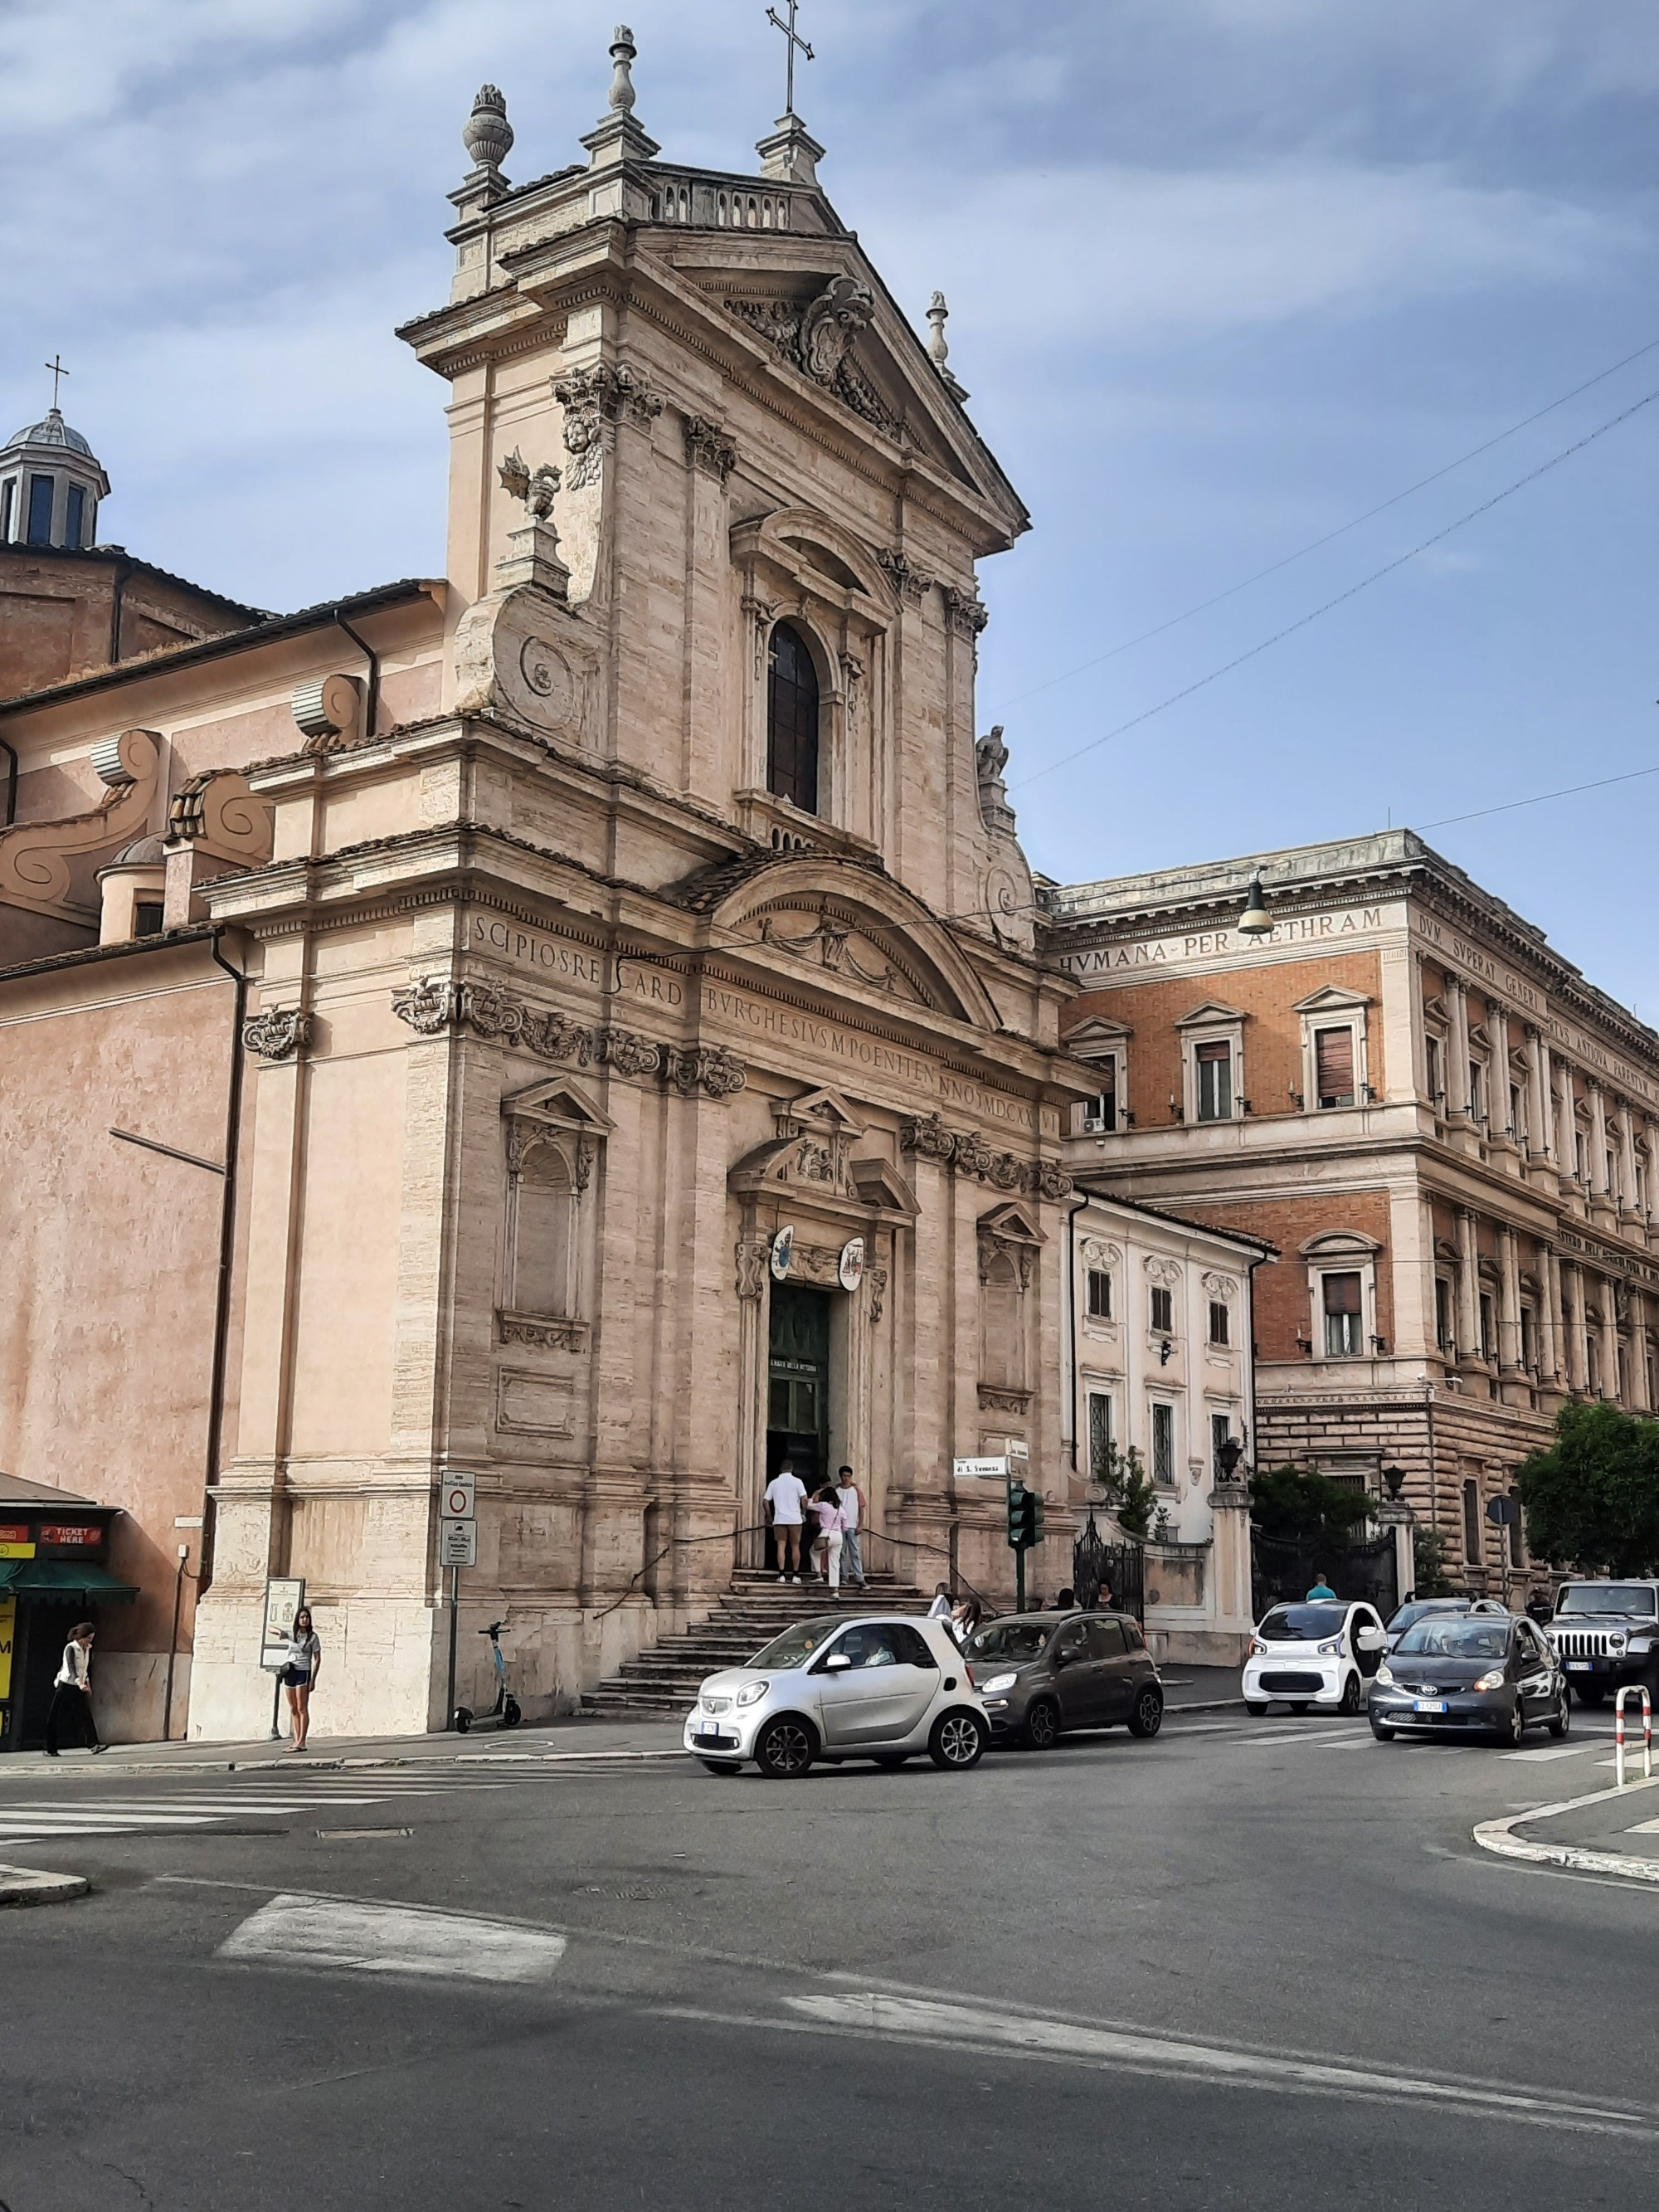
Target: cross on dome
{"x": 792, "y": 41}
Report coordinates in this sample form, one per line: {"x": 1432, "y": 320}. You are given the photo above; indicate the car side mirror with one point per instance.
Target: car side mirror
{"x": 1065, "y": 1658}
{"x": 838, "y": 1663}
{"x": 1371, "y": 1640}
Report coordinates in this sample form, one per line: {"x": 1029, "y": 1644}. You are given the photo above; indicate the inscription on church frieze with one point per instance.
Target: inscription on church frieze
{"x": 644, "y": 980}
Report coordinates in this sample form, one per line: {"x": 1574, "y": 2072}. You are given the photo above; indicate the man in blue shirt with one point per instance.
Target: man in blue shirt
{"x": 1321, "y": 1588}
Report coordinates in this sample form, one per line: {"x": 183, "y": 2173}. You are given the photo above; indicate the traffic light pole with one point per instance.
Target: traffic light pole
{"x": 1020, "y": 1580}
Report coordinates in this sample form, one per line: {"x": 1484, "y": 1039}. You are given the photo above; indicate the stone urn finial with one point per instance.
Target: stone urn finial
{"x": 623, "y": 54}
{"x": 937, "y": 313}
{"x": 488, "y": 137}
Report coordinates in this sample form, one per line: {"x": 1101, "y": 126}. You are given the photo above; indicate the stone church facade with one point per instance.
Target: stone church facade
{"x": 647, "y": 1065}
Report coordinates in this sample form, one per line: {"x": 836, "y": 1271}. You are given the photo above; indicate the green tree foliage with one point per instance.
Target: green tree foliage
{"x": 1591, "y": 1501}
{"x": 1429, "y": 1561}
{"x": 1130, "y": 1492}
{"x": 1299, "y": 1505}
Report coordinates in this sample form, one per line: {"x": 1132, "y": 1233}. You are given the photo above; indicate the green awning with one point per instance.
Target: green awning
{"x": 63, "y": 1581}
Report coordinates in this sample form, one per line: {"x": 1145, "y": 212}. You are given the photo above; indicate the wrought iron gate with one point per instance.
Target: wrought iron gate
{"x": 1109, "y": 1574}
{"x": 1282, "y": 1572}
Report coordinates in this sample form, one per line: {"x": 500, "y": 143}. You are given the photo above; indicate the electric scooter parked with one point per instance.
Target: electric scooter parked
{"x": 504, "y": 1713}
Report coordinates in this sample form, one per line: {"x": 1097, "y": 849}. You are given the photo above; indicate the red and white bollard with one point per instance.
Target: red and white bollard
{"x": 1618, "y": 1733}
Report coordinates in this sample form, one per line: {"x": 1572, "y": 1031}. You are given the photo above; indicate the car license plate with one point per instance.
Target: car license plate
{"x": 1428, "y": 1705}
{"x": 707, "y": 1735}
{"x": 1579, "y": 1667}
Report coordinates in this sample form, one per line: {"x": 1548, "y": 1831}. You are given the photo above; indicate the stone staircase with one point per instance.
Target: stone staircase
{"x": 665, "y": 1679}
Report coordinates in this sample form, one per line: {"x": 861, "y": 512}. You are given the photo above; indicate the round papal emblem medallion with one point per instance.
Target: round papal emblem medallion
{"x": 783, "y": 1252}
{"x": 546, "y": 673}
{"x": 851, "y": 1270}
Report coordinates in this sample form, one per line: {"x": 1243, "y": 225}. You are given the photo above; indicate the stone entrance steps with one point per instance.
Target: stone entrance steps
{"x": 666, "y": 1678}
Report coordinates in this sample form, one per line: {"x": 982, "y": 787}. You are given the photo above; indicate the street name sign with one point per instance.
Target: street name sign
{"x": 979, "y": 1470}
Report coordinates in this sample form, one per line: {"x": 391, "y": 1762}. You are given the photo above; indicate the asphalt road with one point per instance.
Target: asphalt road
{"x": 1256, "y": 1963}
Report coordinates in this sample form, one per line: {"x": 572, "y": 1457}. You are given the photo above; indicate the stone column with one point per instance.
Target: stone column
{"x": 1578, "y": 1331}
{"x": 1397, "y": 1520}
{"x": 1627, "y": 1128}
{"x": 1497, "y": 1074}
{"x": 1610, "y": 1339}
{"x": 1508, "y": 1310}
{"x": 1598, "y": 1143}
{"x": 1468, "y": 1289}
{"x": 1230, "y": 1561}
{"x": 1457, "y": 1047}
{"x": 753, "y": 1283}
{"x": 1540, "y": 1140}
{"x": 1641, "y": 1398}
{"x": 1650, "y": 1133}
{"x": 1550, "y": 1344}
{"x": 1566, "y": 1150}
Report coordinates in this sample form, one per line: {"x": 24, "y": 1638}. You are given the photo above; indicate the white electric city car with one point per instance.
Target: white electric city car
{"x": 884, "y": 1688}
{"x": 1323, "y": 1652}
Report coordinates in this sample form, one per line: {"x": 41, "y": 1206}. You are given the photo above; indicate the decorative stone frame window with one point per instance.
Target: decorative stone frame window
{"x": 1341, "y": 1294}
{"x": 1334, "y": 1047}
{"x": 552, "y": 1139}
{"x": 1103, "y": 1045}
{"x": 1009, "y": 1242}
{"x": 1213, "y": 1064}
{"x": 1163, "y": 1304}
{"x": 1100, "y": 1432}
{"x": 1098, "y": 1301}
{"x": 1481, "y": 1079}
{"x": 1163, "y": 1441}
{"x": 1221, "y": 1293}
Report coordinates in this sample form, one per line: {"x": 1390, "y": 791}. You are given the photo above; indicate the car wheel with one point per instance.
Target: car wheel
{"x": 1562, "y": 1720}
{"x": 958, "y": 1741}
{"x": 463, "y": 1720}
{"x": 1589, "y": 1693}
{"x": 1042, "y": 1725}
{"x": 1301, "y": 1708}
{"x": 890, "y": 1761}
{"x": 785, "y": 1748}
{"x": 1350, "y": 1699}
{"x": 1383, "y": 1735}
{"x": 720, "y": 1766}
{"x": 511, "y": 1715}
{"x": 1256, "y": 1707}
{"x": 1146, "y": 1714}
{"x": 1512, "y": 1732}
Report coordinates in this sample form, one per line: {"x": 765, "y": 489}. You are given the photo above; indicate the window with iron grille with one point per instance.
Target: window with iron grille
{"x": 1163, "y": 1445}
{"x": 1341, "y": 1294}
{"x": 1220, "y": 1324}
{"x": 1164, "y": 1311}
{"x": 1220, "y": 1432}
{"x": 1472, "y": 1545}
{"x": 1334, "y": 1067}
{"x": 1485, "y": 1326}
{"x": 1100, "y": 1294}
{"x": 1100, "y": 1437}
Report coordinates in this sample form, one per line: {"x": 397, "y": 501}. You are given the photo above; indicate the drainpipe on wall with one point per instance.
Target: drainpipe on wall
{"x": 1068, "y": 1313}
{"x": 226, "y": 1250}
{"x": 11, "y": 752}
{"x": 372, "y": 701}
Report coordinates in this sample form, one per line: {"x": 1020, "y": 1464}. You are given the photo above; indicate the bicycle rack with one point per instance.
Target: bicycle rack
{"x": 1629, "y": 1689}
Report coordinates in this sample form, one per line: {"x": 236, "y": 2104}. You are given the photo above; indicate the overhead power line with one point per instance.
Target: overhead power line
{"x": 1375, "y": 577}
{"x": 1329, "y": 537}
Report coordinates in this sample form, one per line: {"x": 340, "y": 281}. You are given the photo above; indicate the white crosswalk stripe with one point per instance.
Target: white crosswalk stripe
{"x": 177, "y": 1805}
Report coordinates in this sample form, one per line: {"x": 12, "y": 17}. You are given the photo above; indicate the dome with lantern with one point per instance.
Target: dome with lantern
{"x": 51, "y": 484}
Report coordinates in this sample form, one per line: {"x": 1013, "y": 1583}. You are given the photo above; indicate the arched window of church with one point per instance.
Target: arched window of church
{"x": 1002, "y": 1366}
{"x": 792, "y": 721}
{"x": 544, "y": 1217}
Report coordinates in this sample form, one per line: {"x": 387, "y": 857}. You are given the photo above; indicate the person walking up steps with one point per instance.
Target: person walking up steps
{"x": 852, "y": 1519}
{"x": 71, "y": 1694}
{"x": 786, "y": 1494}
{"x": 826, "y": 1545}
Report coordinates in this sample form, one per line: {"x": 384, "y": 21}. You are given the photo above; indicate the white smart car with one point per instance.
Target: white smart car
{"x": 1323, "y": 1652}
{"x": 884, "y": 1688}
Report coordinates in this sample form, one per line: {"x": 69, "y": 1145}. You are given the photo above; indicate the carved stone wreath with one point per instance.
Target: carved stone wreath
{"x": 1163, "y": 1271}
{"x": 965, "y": 1153}
{"x": 1219, "y": 1286}
{"x": 276, "y": 1033}
{"x": 430, "y": 1007}
{"x": 1098, "y": 1254}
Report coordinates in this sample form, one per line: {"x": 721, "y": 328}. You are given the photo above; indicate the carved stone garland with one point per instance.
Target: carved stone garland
{"x": 965, "y": 1153}
{"x": 431, "y": 1007}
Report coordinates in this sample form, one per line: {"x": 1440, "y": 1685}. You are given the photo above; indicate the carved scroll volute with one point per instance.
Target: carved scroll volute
{"x": 36, "y": 857}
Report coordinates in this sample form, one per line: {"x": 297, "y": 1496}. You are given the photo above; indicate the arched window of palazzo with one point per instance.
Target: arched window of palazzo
{"x": 792, "y": 721}
{"x": 544, "y": 1211}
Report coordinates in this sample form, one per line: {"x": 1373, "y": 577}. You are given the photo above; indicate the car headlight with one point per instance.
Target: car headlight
{"x": 1329, "y": 1650}
{"x": 1617, "y": 1640}
{"x": 1385, "y": 1676}
{"x": 997, "y": 1682}
{"x": 752, "y": 1693}
{"x": 1257, "y": 1647}
{"x": 1494, "y": 1680}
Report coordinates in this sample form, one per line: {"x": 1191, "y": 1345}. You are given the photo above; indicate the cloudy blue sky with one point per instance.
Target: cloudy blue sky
{"x": 1224, "y": 275}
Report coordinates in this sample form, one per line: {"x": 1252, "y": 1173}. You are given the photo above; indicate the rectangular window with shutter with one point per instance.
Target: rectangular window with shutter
{"x": 1215, "y": 1082}
{"x": 1100, "y": 1115}
{"x": 1163, "y": 1312}
{"x": 1220, "y": 1322}
{"x": 1334, "y": 1067}
{"x": 1100, "y": 1295}
{"x": 1471, "y": 1545}
{"x": 1342, "y": 1316}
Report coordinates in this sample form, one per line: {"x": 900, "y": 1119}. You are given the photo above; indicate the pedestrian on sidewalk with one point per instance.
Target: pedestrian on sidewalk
{"x": 786, "y": 1494}
{"x": 943, "y": 1605}
{"x": 71, "y": 1694}
{"x": 301, "y": 1664}
{"x": 851, "y": 1520}
{"x": 827, "y": 1544}
{"x": 964, "y": 1619}
{"x": 1321, "y": 1587}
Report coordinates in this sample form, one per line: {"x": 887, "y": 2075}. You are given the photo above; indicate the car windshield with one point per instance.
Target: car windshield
{"x": 1628, "y": 1599}
{"x": 1455, "y": 1639}
{"x": 1302, "y": 1624}
{"x": 796, "y": 1645}
{"x": 1423, "y": 1610}
{"x": 1010, "y": 1640}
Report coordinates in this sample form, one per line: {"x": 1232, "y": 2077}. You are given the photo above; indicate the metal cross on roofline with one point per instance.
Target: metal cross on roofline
{"x": 59, "y": 371}
{"x": 794, "y": 39}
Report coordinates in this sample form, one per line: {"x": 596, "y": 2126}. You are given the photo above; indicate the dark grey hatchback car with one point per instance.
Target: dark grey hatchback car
{"x": 1040, "y": 1674}
{"x": 1489, "y": 1674}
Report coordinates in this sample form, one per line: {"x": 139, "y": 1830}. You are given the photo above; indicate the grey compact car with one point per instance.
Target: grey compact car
{"x": 1040, "y": 1674}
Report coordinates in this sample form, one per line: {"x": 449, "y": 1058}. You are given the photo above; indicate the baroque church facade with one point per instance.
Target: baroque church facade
{"x": 606, "y": 979}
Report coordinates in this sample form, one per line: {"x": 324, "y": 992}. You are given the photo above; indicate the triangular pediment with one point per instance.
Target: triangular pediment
{"x": 1211, "y": 1012}
{"x": 1096, "y": 1036}
{"x": 559, "y": 1102}
{"x": 1331, "y": 1000}
{"x": 825, "y": 1108}
{"x": 1011, "y": 1223}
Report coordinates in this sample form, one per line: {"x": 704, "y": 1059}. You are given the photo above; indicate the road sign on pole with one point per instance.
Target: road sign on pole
{"x": 460, "y": 1495}
{"x": 457, "y": 1543}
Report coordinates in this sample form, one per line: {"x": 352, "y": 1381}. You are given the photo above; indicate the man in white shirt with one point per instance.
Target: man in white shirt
{"x": 852, "y": 1515}
{"x": 786, "y": 1498}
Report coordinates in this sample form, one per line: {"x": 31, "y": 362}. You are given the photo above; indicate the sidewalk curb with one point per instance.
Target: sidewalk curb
{"x": 1209, "y": 1705}
{"x": 24, "y": 1886}
{"x": 1499, "y": 1836}
{"x": 350, "y": 1763}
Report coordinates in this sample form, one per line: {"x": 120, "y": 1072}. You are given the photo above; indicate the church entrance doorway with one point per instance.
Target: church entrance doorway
{"x": 798, "y": 1386}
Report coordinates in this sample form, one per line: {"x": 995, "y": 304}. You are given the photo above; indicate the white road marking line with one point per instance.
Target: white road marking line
{"x": 296, "y": 1930}
{"x": 34, "y": 1819}
{"x": 1643, "y": 1828}
{"x": 1555, "y": 1751}
{"x": 979, "y": 2028}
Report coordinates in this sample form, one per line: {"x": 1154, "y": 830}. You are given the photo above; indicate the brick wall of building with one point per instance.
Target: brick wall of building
{"x": 1281, "y": 1287}
{"x": 57, "y": 614}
